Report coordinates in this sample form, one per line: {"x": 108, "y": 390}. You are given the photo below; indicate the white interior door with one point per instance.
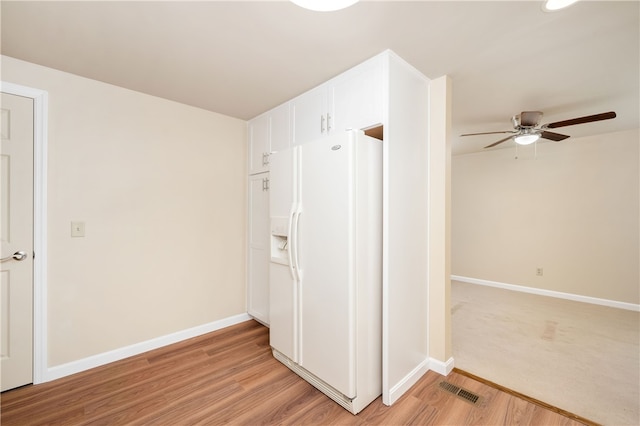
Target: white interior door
{"x": 16, "y": 233}
{"x": 326, "y": 248}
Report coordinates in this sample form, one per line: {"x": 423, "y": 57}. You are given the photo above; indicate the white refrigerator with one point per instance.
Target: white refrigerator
{"x": 326, "y": 265}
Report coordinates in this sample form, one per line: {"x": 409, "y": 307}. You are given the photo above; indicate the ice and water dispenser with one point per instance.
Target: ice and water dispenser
{"x": 280, "y": 240}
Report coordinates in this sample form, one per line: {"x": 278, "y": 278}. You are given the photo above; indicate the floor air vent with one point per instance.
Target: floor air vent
{"x": 461, "y": 393}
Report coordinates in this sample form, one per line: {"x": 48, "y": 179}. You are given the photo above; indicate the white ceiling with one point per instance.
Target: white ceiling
{"x": 241, "y": 58}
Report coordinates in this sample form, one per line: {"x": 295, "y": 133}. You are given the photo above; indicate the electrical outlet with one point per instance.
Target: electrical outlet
{"x": 539, "y": 272}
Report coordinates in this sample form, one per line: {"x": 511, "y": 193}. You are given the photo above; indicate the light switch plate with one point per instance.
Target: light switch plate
{"x": 77, "y": 229}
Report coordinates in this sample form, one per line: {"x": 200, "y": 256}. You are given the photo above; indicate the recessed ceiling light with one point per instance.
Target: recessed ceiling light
{"x": 553, "y": 5}
{"x": 324, "y": 5}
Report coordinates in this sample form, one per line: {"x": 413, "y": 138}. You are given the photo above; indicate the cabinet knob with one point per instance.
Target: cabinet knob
{"x": 322, "y": 123}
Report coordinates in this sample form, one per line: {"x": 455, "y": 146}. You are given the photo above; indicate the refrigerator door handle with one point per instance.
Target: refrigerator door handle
{"x": 292, "y": 245}
{"x": 296, "y": 263}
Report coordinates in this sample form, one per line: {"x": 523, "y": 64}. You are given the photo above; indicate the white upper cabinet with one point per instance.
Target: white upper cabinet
{"x": 353, "y": 100}
{"x": 268, "y": 132}
{"x": 259, "y": 144}
{"x": 280, "y": 128}
{"x": 358, "y": 97}
{"x": 309, "y": 115}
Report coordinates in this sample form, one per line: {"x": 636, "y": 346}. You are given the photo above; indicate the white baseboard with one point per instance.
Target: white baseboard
{"x": 442, "y": 368}
{"x": 551, "y": 293}
{"x": 403, "y": 385}
{"x": 63, "y": 370}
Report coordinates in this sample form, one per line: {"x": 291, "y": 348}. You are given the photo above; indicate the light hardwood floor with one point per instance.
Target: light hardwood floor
{"x": 230, "y": 377}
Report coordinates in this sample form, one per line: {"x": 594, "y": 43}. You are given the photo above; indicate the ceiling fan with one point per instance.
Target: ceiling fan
{"x": 527, "y": 128}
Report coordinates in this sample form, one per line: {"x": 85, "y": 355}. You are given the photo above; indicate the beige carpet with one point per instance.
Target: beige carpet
{"x": 579, "y": 357}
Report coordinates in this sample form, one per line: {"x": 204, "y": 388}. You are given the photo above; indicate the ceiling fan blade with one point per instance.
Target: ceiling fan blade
{"x": 581, "y": 120}
{"x": 530, "y": 118}
{"x": 499, "y": 142}
{"x": 556, "y": 137}
{"x": 487, "y": 133}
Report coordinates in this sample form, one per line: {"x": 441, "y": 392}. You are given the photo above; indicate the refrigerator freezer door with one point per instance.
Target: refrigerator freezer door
{"x": 283, "y": 287}
{"x": 326, "y": 237}
{"x": 281, "y": 310}
{"x": 281, "y": 183}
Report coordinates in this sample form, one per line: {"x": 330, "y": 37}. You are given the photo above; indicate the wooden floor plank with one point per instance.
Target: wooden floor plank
{"x": 320, "y": 410}
{"x": 231, "y": 377}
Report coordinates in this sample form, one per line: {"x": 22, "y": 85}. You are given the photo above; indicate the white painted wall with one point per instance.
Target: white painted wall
{"x": 573, "y": 211}
{"x": 439, "y": 223}
{"x": 162, "y": 189}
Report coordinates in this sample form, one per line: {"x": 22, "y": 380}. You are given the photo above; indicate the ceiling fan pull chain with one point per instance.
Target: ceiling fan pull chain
{"x": 535, "y": 150}
{"x": 517, "y": 151}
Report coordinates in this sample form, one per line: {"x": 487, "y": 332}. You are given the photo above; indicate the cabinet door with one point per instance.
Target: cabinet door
{"x": 259, "y": 144}
{"x": 258, "y": 270}
{"x": 353, "y": 100}
{"x": 309, "y": 116}
{"x": 357, "y": 97}
{"x": 280, "y": 128}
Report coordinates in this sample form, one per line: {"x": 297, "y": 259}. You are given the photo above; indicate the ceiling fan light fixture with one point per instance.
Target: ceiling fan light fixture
{"x": 527, "y": 138}
{"x": 324, "y": 5}
{"x": 553, "y": 5}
